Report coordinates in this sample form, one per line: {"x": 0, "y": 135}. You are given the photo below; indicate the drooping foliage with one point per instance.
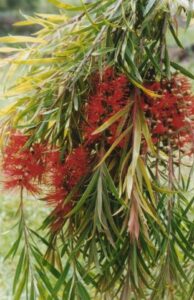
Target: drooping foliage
{"x": 99, "y": 124}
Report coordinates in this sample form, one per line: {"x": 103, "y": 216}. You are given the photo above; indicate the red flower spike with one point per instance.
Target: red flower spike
{"x": 57, "y": 196}
{"x": 160, "y": 129}
{"x": 178, "y": 122}
{"x": 170, "y": 114}
{"x": 64, "y": 177}
{"x": 76, "y": 165}
{"x": 23, "y": 167}
{"x": 109, "y": 96}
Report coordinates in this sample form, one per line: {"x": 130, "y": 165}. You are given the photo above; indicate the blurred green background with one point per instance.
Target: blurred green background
{"x": 10, "y": 12}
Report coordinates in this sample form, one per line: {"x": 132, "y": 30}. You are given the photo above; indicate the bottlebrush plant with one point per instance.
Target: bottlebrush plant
{"x": 100, "y": 126}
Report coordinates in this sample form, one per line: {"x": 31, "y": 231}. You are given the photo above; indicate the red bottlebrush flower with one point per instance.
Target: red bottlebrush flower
{"x": 108, "y": 74}
{"x": 178, "y": 122}
{"x": 160, "y": 129}
{"x": 57, "y": 196}
{"x": 169, "y": 115}
{"x": 76, "y": 166}
{"x": 23, "y": 167}
{"x": 65, "y": 175}
{"x": 109, "y": 96}
{"x": 56, "y": 173}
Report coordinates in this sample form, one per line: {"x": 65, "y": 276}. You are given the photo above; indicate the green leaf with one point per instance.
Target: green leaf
{"x": 14, "y": 248}
{"x": 101, "y": 51}
{"x": 21, "y": 39}
{"x": 45, "y": 242}
{"x": 153, "y": 60}
{"x": 147, "y": 135}
{"x": 111, "y": 185}
{"x": 85, "y": 195}
{"x": 177, "y": 263}
{"x": 148, "y": 207}
{"x": 149, "y": 6}
{"x": 86, "y": 276}
{"x": 178, "y": 42}
{"x": 42, "y": 291}
{"x": 191, "y": 291}
{"x": 108, "y": 213}
{"x": 137, "y": 134}
{"x": 68, "y": 293}
{"x": 82, "y": 291}
{"x": 167, "y": 63}
{"x": 18, "y": 269}
{"x": 32, "y": 291}
{"x": 21, "y": 286}
{"x": 39, "y": 61}
{"x": 189, "y": 14}
{"x": 62, "y": 279}
{"x": 9, "y": 49}
{"x": 46, "y": 282}
{"x": 182, "y": 70}
{"x": 116, "y": 142}
{"x": 112, "y": 119}
{"x": 99, "y": 199}
{"x": 66, "y": 6}
{"x": 41, "y": 260}
{"x": 147, "y": 180}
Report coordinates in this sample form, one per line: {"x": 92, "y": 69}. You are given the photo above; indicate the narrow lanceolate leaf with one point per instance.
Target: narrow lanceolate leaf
{"x": 137, "y": 134}
{"x": 85, "y": 195}
{"x": 113, "y": 119}
{"x": 52, "y": 17}
{"x": 14, "y": 248}
{"x": 153, "y": 60}
{"x": 39, "y": 61}
{"x": 27, "y": 23}
{"x": 32, "y": 291}
{"x": 99, "y": 200}
{"x": 62, "y": 279}
{"x": 21, "y": 39}
{"x": 133, "y": 224}
{"x": 25, "y": 87}
{"x": 147, "y": 207}
{"x": 191, "y": 291}
{"x": 147, "y": 180}
{"x": 82, "y": 291}
{"x": 182, "y": 70}
{"x": 45, "y": 280}
{"x": 9, "y": 49}
{"x": 42, "y": 291}
{"x": 88, "y": 15}
{"x": 149, "y": 6}
{"x": 147, "y": 134}
{"x": 116, "y": 142}
{"x": 63, "y": 5}
{"x": 21, "y": 285}
{"x": 144, "y": 89}
{"x": 111, "y": 185}
{"x": 174, "y": 34}
{"x": 18, "y": 270}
